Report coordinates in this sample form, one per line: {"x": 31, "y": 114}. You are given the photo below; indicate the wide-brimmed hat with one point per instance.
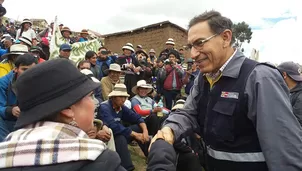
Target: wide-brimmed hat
{"x": 143, "y": 84}
{"x": 84, "y": 31}
{"x": 66, "y": 29}
{"x": 128, "y": 47}
{"x": 90, "y": 75}
{"x": 26, "y": 40}
{"x": 37, "y": 49}
{"x": 170, "y": 42}
{"x": 114, "y": 67}
{"x": 142, "y": 51}
{"x": 7, "y": 36}
{"x": 26, "y": 21}
{"x": 48, "y": 88}
{"x": 119, "y": 90}
{"x": 139, "y": 46}
{"x": 152, "y": 51}
{"x": 129, "y": 44}
{"x": 179, "y": 104}
{"x": 292, "y": 69}
{"x": 16, "y": 49}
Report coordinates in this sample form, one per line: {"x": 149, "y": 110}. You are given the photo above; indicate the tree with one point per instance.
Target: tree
{"x": 241, "y": 33}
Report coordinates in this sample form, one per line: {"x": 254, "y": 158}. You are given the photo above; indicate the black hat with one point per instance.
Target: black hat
{"x": 47, "y": 88}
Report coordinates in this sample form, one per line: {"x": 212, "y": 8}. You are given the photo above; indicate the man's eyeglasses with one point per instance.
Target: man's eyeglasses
{"x": 200, "y": 42}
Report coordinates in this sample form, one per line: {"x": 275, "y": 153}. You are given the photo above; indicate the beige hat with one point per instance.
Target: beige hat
{"x": 179, "y": 104}
{"x": 152, "y": 51}
{"x": 129, "y": 44}
{"x": 26, "y": 21}
{"x": 16, "y": 49}
{"x": 115, "y": 67}
{"x": 143, "y": 84}
{"x": 26, "y": 40}
{"x": 119, "y": 90}
{"x": 170, "y": 42}
{"x": 128, "y": 47}
{"x": 90, "y": 75}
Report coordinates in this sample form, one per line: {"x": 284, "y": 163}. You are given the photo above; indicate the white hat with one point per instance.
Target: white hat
{"x": 119, "y": 90}
{"x": 128, "y": 47}
{"x": 129, "y": 44}
{"x": 7, "y": 35}
{"x": 115, "y": 67}
{"x": 143, "y": 84}
{"x": 170, "y": 42}
{"x": 179, "y": 104}
{"x": 26, "y": 21}
{"x": 90, "y": 75}
{"x": 152, "y": 51}
{"x": 16, "y": 49}
{"x": 26, "y": 40}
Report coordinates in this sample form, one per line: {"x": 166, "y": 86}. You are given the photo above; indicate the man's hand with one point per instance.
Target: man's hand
{"x": 16, "y": 111}
{"x": 92, "y": 133}
{"x": 166, "y": 134}
{"x": 138, "y": 136}
{"x": 103, "y": 135}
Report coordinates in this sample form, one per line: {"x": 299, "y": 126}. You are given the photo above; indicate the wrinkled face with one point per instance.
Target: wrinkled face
{"x": 66, "y": 34}
{"x": 119, "y": 100}
{"x": 85, "y": 65}
{"x": 84, "y": 112}
{"x": 114, "y": 75}
{"x": 93, "y": 59}
{"x": 143, "y": 92}
{"x": 127, "y": 52}
{"x": 211, "y": 54}
{"x": 65, "y": 53}
{"x": 22, "y": 68}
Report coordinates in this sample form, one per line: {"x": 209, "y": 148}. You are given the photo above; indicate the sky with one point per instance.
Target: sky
{"x": 276, "y": 25}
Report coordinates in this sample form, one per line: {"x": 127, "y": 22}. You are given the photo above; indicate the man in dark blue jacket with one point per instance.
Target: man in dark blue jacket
{"x": 112, "y": 113}
{"x": 9, "y": 110}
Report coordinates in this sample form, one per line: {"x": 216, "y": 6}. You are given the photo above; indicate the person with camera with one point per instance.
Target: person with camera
{"x": 191, "y": 73}
{"x": 104, "y": 61}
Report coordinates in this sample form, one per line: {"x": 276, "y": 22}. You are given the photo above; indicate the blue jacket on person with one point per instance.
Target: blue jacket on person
{"x": 8, "y": 98}
{"x": 113, "y": 119}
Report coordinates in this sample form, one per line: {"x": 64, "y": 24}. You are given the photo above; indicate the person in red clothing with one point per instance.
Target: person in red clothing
{"x": 38, "y": 53}
{"x": 143, "y": 105}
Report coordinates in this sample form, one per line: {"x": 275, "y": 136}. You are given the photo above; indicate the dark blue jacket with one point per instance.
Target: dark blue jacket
{"x": 108, "y": 61}
{"x": 113, "y": 120}
{"x": 8, "y": 98}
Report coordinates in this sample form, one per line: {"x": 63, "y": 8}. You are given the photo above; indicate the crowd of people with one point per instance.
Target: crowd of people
{"x": 213, "y": 110}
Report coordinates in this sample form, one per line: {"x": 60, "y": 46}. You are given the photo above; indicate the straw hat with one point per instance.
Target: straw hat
{"x": 84, "y": 31}
{"x": 143, "y": 84}
{"x": 26, "y": 21}
{"x": 179, "y": 104}
{"x": 170, "y": 42}
{"x": 66, "y": 29}
{"x": 114, "y": 67}
{"x": 26, "y": 40}
{"x": 90, "y": 75}
{"x": 16, "y": 49}
{"x": 119, "y": 90}
{"x": 152, "y": 51}
{"x": 129, "y": 44}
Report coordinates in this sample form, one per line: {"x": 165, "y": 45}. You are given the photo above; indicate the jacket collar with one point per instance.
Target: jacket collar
{"x": 233, "y": 67}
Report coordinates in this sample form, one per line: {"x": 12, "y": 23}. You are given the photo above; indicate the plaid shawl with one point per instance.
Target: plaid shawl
{"x": 46, "y": 143}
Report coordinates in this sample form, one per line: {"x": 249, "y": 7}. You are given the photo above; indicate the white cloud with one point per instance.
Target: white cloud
{"x": 276, "y": 41}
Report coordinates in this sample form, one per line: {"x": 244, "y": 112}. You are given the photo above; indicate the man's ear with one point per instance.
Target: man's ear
{"x": 67, "y": 113}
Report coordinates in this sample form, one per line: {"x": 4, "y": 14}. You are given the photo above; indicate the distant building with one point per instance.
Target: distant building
{"x": 39, "y": 23}
{"x": 152, "y": 36}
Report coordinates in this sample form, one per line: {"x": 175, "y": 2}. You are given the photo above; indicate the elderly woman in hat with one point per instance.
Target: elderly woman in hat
{"x": 84, "y": 35}
{"x": 26, "y": 31}
{"x": 131, "y": 66}
{"x": 114, "y": 113}
{"x": 143, "y": 105}
{"x": 57, "y": 109}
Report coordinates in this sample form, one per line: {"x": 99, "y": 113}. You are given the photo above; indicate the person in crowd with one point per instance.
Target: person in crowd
{"x": 146, "y": 71}
{"x": 26, "y": 31}
{"x": 91, "y": 56}
{"x": 58, "y": 119}
{"x": 108, "y": 82}
{"x": 65, "y": 51}
{"x": 113, "y": 113}
{"x": 7, "y": 64}
{"x": 66, "y": 33}
{"x": 146, "y": 107}
{"x": 104, "y": 61}
{"x": 181, "y": 55}
{"x": 131, "y": 67}
{"x": 38, "y": 53}
{"x": 44, "y": 44}
{"x": 61, "y": 26}
{"x": 191, "y": 73}
{"x": 9, "y": 107}
{"x": 84, "y": 64}
{"x": 169, "y": 48}
{"x": 160, "y": 76}
{"x": 7, "y": 42}
{"x": 152, "y": 55}
{"x": 292, "y": 75}
{"x": 139, "y": 47}
{"x": 84, "y": 35}
{"x": 232, "y": 102}
{"x": 172, "y": 79}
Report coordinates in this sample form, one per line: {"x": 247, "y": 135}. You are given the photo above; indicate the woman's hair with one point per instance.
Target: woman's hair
{"x": 89, "y": 54}
{"x": 22, "y": 28}
{"x": 82, "y": 62}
